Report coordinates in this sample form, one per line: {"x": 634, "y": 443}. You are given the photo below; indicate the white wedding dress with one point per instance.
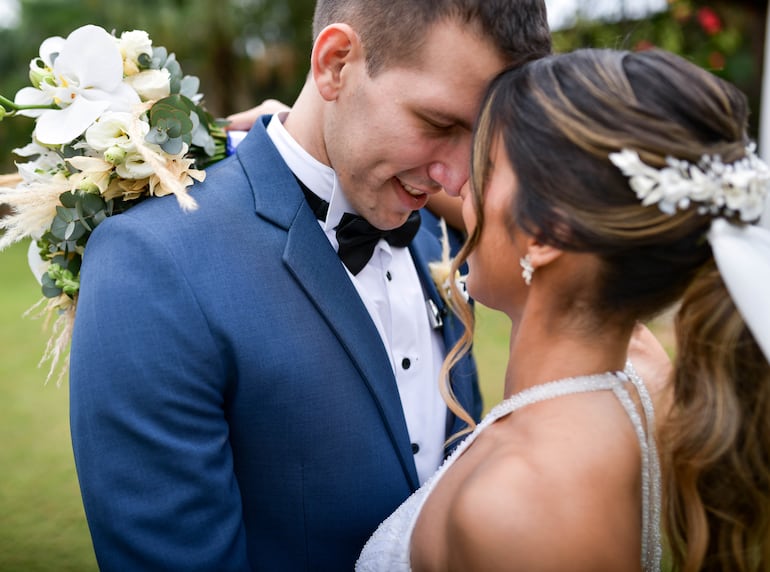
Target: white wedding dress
{"x": 388, "y": 548}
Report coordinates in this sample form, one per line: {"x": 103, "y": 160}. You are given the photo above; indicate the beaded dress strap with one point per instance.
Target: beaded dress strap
{"x": 534, "y": 394}
{"x": 552, "y": 389}
{"x": 652, "y": 551}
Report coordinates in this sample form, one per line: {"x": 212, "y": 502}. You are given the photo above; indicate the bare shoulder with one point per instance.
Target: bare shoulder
{"x": 544, "y": 512}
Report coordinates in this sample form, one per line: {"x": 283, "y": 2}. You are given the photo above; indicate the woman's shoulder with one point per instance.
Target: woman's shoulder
{"x": 548, "y": 499}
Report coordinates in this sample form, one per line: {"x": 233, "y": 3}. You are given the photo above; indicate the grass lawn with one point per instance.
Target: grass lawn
{"x": 42, "y": 525}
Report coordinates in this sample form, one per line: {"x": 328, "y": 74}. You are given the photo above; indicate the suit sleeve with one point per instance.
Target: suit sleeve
{"x": 147, "y": 405}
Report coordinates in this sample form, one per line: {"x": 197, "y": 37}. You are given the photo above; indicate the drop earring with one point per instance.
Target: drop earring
{"x": 526, "y": 269}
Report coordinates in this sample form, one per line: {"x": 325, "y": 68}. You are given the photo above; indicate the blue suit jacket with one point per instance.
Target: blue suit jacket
{"x": 232, "y": 404}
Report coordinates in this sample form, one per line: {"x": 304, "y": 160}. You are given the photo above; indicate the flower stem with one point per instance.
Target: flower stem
{"x": 12, "y": 107}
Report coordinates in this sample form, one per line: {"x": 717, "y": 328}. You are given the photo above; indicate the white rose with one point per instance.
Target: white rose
{"x": 111, "y": 130}
{"x": 134, "y": 167}
{"x": 133, "y": 44}
{"x": 151, "y": 85}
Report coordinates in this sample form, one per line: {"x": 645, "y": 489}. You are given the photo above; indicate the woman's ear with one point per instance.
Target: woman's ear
{"x": 336, "y": 46}
{"x": 541, "y": 254}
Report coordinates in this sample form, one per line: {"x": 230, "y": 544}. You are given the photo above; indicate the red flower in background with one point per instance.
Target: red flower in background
{"x": 709, "y": 21}
{"x": 716, "y": 61}
{"x": 643, "y": 45}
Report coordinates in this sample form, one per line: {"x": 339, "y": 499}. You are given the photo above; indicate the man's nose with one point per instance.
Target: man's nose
{"x": 452, "y": 169}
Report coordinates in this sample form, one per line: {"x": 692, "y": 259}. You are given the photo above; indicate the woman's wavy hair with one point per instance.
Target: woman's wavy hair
{"x": 559, "y": 118}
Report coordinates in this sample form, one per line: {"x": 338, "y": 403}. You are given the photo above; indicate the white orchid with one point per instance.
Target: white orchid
{"x": 86, "y": 80}
{"x": 45, "y": 164}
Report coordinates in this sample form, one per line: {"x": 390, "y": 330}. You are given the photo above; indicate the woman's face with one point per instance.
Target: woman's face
{"x": 494, "y": 277}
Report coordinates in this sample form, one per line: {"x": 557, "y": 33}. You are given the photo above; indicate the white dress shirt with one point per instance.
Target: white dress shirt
{"x": 390, "y": 288}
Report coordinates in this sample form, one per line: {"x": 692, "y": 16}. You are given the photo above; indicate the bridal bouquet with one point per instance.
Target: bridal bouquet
{"x": 116, "y": 122}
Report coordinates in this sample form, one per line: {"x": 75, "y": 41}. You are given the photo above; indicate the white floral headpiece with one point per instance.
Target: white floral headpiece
{"x": 717, "y": 188}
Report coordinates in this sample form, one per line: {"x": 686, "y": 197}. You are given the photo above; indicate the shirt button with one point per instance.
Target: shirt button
{"x": 406, "y": 363}
{"x": 415, "y": 448}
{"x": 388, "y": 276}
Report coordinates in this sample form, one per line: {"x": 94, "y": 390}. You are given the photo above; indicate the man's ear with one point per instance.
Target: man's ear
{"x": 335, "y": 47}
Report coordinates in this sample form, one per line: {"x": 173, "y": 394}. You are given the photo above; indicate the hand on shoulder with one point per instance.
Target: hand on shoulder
{"x": 243, "y": 120}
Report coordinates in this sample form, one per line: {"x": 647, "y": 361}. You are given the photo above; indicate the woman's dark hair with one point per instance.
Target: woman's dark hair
{"x": 559, "y": 119}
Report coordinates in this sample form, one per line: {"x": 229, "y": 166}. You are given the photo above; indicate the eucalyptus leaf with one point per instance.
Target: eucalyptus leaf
{"x": 59, "y": 228}
{"x": 90, "y": 202}
{"x": 156, "y": 135}
{"x": 83, "y": 217}
{"x": 75, "y": 230}
{"x": 174, "y": 70}
{"x": 159, "y": 57}
{"x": 49, "y": 287}
{"x": 99, "y": 218}
{"x": 70, "y": 230}
{"x": 144, "y": 61}
{"x": 204, "y": 140}
{"x": 68, "y": 199}
{"x": 189, "y": 86}
{"x": 66, "y": 214}
{"x": 173, "y": 146}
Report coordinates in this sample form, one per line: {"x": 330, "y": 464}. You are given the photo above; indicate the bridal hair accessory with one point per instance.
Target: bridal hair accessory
{"x": 742, "y": 254}
{"x": 527, "y": 270}
{"x": 717, "y": 188}
{"x": 116, "y": 122}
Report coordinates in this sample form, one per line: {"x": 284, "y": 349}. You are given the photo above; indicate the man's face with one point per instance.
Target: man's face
{"x": 405, "y": 133}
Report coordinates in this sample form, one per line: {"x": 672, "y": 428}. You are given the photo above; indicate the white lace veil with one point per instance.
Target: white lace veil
{"x": 742, "y": 255}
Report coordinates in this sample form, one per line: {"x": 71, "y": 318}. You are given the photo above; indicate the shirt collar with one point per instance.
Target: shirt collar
{"x": 320, "y": 178}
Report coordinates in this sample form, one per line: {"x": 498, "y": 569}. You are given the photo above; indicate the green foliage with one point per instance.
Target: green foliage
{"x": 170, "y": 123}
{"x": 717, "y": 36}
{"x": 78, "y": 215}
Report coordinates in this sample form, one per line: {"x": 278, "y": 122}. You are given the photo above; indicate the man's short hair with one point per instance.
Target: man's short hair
{"x": 393, "y": 31}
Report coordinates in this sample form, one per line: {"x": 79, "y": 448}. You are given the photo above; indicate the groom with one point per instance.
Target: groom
{"x": 243, "y": 396}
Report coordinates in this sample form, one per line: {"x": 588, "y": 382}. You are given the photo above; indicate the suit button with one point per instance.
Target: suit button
{"x": 388, "y": 276}
{"x": 406, "y": 363}
{"x": 415, "y": 448}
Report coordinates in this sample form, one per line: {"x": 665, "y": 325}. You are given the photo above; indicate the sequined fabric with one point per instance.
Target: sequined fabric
{"x": 388, "y": 548}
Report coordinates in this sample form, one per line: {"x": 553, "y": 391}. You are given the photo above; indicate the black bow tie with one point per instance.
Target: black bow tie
{"x": 357, "y": 237}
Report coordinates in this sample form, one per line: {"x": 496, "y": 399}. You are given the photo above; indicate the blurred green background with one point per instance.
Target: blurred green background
{"x": 243, "y": 51}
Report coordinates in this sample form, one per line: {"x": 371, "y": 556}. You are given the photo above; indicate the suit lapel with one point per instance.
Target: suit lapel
{"x": 309, "y": 257}
{"x": 328, "y": 286}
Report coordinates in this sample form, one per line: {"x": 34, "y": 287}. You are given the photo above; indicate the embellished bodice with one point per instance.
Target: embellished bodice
{"x": 388, "y": 548}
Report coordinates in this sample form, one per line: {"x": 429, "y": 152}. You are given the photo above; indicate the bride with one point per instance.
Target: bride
{"x": 604, "y": 185}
